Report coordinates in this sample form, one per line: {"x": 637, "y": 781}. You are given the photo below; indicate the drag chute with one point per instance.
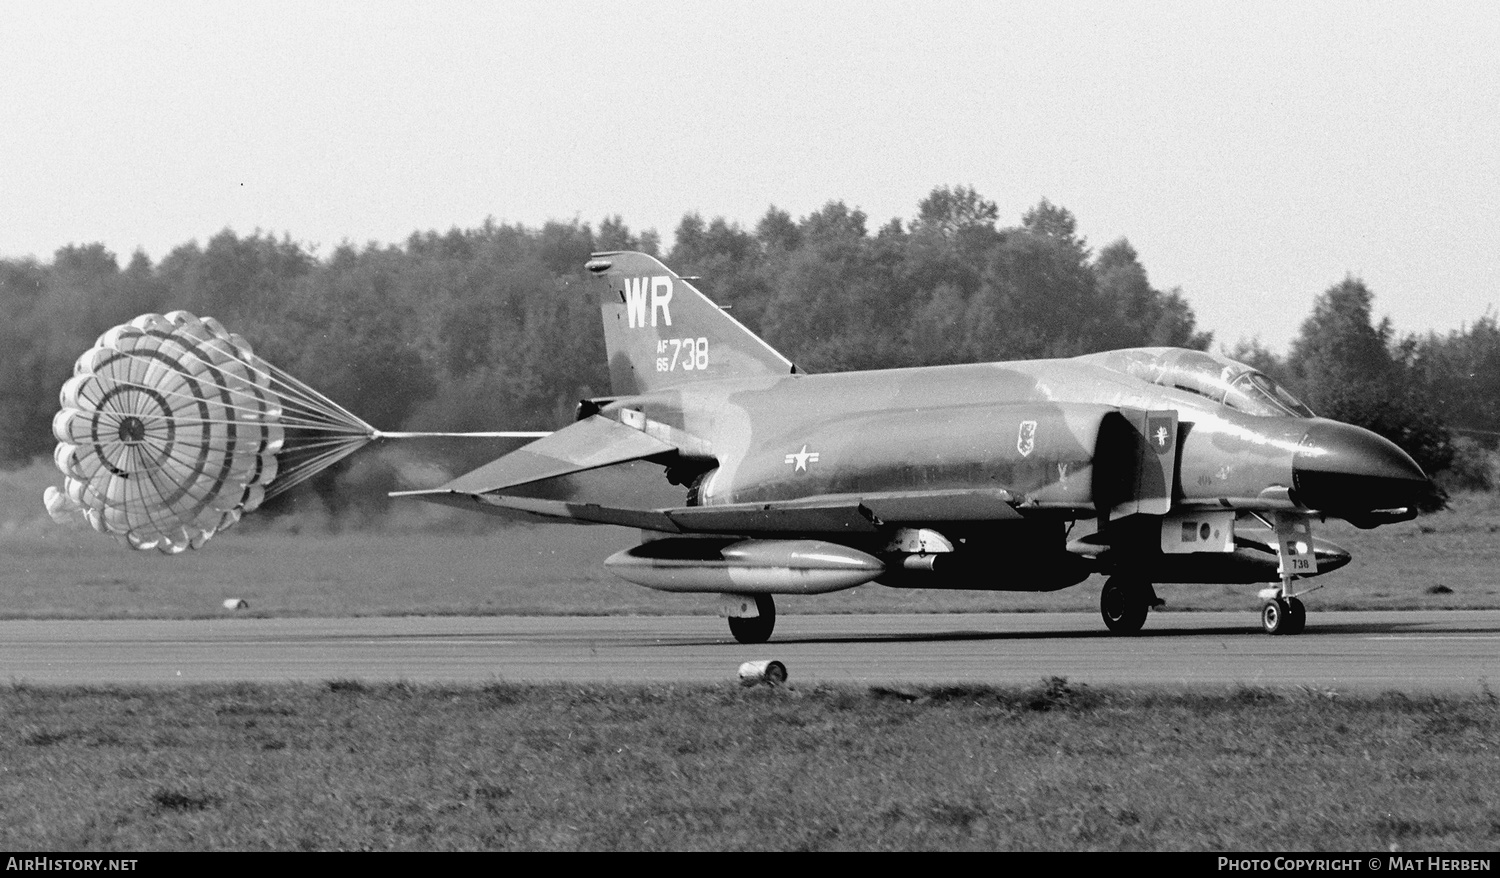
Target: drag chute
{"x": 171, "y": 428}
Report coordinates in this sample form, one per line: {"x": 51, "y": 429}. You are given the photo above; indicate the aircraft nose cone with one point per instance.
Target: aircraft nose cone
{"x": 1343, "y": 468}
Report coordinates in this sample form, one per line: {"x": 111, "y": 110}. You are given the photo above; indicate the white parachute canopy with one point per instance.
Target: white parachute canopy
{"x": 171, "y": 428}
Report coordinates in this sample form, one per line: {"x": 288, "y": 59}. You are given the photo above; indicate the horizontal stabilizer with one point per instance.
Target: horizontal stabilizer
{"x": 589, "y": 444}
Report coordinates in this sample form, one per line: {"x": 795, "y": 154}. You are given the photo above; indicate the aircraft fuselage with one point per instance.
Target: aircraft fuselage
{"x": 1031, "y": 428}
{"x": 1144, "y": 464}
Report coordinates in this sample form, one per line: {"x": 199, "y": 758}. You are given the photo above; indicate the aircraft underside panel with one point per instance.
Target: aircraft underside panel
{"x": 1253, "y": 555}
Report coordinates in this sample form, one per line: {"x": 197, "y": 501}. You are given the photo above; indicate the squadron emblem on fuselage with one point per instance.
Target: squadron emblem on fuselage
{"x": 1026, "y": 438}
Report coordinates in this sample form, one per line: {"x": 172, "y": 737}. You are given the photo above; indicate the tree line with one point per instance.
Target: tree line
{"x": 492, "y": 327}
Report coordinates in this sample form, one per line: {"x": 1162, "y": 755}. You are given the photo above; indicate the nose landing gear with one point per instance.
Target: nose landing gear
{"x": 1283, "y": 616}
{"x": 1282, "y": 612}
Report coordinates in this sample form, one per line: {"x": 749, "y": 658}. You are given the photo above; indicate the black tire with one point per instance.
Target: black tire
{"x": 758, "y": 629}
{"x": 1275, "y": 616}
{"x": 1124, "y": 604}
{"x": 1296, "y": 617}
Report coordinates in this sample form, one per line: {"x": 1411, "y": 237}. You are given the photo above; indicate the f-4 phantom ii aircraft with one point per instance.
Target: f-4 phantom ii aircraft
{"x": 1147, "y": 465}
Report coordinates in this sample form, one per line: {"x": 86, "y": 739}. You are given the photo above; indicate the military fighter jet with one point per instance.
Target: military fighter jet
{"x": 1145, "y": 465}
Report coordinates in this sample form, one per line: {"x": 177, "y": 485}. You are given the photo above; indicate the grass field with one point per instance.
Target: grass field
{"x": 1050, "y": 767}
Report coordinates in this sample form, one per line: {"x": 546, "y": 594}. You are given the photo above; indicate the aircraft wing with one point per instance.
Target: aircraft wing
{"x": 851, "y": 513}
{"x": 588, "y": 444}
{"x": 841, "y": 514}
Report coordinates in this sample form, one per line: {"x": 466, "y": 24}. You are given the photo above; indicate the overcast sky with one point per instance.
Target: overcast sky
{"x": 1253, "y": 155}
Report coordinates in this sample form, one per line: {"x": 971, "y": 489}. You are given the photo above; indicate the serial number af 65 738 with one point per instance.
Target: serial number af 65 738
{"x": 686, "y": 354}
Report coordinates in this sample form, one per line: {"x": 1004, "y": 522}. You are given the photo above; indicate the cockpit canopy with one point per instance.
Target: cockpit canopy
{"x": 1209, "y": 375}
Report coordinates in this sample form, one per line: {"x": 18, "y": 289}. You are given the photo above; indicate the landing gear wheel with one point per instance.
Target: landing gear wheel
{"x": 1124, "y": 603}
{"x": 1283, "y": 616}
{"x": 1273, "y": 616}
{"x": 757, "y": 629}
{"x": 1296, "y": 616}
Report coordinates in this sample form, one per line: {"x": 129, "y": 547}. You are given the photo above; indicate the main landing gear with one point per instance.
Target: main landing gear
{"x": 757, "y": 628}
{"x": 1124, "y": 603}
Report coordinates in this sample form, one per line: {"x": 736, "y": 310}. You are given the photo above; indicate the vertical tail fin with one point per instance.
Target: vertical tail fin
{"x": 660, "y": 331}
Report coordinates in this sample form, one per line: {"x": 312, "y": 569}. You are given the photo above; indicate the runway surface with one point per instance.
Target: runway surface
{"x": 1418, "y": 651}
